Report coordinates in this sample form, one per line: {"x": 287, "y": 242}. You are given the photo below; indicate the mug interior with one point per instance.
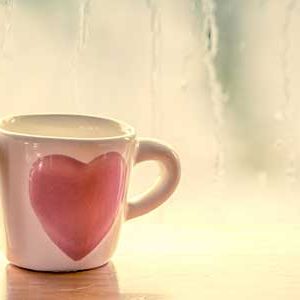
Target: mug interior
{"x": 65, "y": 126}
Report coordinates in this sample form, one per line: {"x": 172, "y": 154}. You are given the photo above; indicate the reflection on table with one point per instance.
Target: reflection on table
{"x": 101, "y": 283}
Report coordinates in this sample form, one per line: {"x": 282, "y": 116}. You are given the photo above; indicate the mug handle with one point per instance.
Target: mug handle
{"x": 165, "y": 185}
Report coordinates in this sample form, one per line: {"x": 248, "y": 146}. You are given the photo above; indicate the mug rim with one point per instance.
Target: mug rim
{"x": 129, "y": 131}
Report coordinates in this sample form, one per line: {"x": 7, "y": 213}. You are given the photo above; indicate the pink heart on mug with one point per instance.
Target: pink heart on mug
{"x": 76, "y": 203}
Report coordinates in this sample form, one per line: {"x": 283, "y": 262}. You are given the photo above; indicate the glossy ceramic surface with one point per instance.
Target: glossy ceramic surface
{"x": 64, "y": 196}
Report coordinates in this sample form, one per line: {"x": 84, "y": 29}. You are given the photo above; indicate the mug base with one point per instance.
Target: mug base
{"x": 49, "y": 270}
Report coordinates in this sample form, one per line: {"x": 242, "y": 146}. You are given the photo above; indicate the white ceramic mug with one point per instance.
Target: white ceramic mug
{"x": 64, "y": 184}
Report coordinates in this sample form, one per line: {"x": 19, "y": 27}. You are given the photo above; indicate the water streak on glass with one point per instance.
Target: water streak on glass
{"x": 84, "y": 12}
{"x": 285, "y": 59}
{"x": 284, "y": 115}
{"x": 6, "y": 25}
{"x": 218, "y": 98}
{"x": 155, "y": 27}
{"x": 190, "y": 52}
{"x": 184, "y": 82}
{"x": 82, "y": 37}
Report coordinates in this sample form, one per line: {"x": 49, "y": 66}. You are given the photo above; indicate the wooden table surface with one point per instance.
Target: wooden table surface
{"x": 261, "y": 262}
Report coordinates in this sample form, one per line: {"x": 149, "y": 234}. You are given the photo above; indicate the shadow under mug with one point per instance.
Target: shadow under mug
{"x": 64, "y": 185}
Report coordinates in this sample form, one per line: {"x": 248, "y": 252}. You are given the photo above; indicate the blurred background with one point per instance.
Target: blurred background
{"x": 218, "y": 80}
